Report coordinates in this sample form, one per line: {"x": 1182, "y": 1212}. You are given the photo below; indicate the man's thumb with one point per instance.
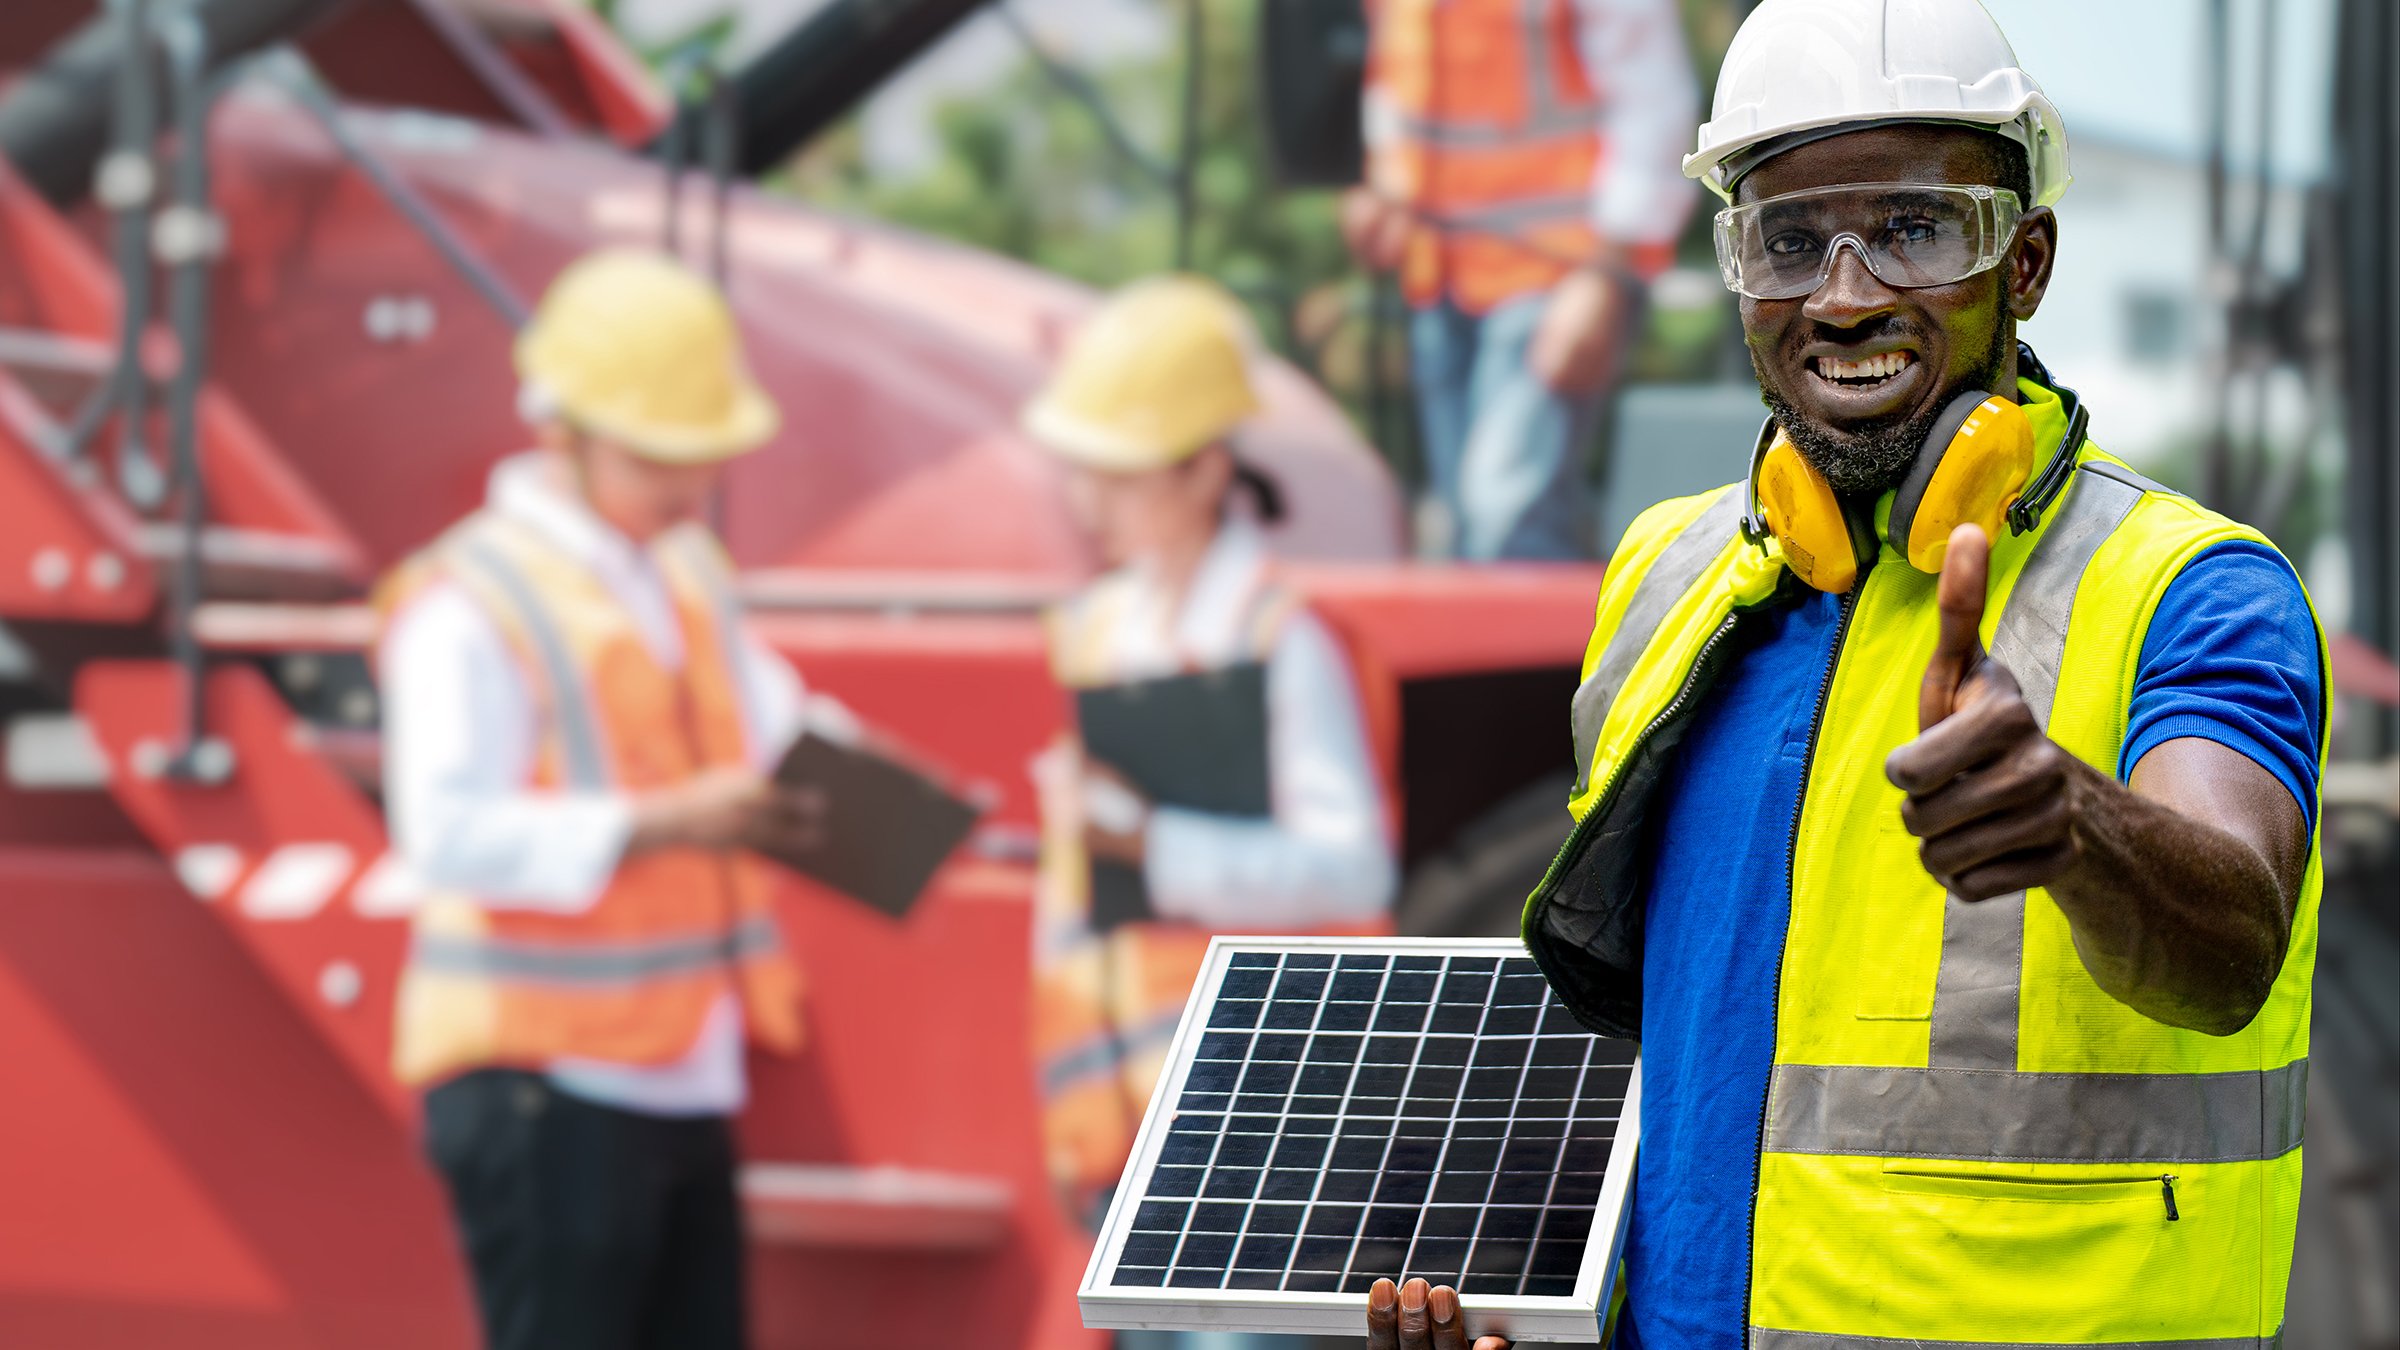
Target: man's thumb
{"x": 1966, "y": 573}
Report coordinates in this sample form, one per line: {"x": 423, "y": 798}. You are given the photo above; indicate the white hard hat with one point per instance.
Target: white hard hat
{"x": 1800, "y": 66}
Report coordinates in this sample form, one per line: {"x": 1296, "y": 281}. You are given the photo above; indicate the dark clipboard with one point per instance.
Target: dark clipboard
{"x": 1194, "y": 741}
{"x": 888, "y": 827}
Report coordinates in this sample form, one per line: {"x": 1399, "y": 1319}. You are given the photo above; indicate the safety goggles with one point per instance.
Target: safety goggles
{"x": 1908, "y": 234}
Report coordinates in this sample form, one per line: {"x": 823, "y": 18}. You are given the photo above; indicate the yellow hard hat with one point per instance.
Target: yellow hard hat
{"x": 1158, "y": 374}
{"x": 634, "y": 346}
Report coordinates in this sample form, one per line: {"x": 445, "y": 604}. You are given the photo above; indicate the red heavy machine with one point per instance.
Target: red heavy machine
{"x": 265, "y": 357}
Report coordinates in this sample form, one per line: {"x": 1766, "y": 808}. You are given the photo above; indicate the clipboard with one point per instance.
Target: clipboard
{"x": 888, "y": 827}
{"x": 1195, "y": 741}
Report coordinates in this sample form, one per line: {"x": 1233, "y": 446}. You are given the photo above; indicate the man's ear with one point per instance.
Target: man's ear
{"x": 2030, "y": 261}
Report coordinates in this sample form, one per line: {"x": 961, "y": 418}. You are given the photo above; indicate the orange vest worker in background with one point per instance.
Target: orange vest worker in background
{"x": 1145, "y": 410}
{"x": 576, "y": 726}
{"x": 1524, "y": 179}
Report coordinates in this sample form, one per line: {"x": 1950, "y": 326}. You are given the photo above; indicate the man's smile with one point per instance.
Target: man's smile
{"x": 1858, "y": 386}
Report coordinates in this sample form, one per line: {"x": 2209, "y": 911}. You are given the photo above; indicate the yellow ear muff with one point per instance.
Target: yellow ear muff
{"x": 1976, "y": 475}
{"x": 1805, "y": 515}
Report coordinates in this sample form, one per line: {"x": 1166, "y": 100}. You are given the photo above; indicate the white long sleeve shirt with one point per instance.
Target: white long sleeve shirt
{"x": 1634, "y": 57}
{"x": 460, "y": 743}
{"x": 1325, "y": 856}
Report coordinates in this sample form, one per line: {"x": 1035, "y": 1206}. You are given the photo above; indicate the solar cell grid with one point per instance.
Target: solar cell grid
{"x": 1350, "y": 1117}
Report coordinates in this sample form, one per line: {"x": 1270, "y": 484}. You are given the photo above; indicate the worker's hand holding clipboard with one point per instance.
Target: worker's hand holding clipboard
{"x": 887, "y": 827}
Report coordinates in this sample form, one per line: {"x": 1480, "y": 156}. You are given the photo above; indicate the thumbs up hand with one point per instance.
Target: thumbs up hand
{"x": 1993, "y": 799}
{"x": 1958, "y": 654}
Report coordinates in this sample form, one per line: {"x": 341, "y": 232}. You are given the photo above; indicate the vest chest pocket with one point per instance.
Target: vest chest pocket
{"x": 1901, "y": 951}
{"x": 2074, "y": 1245}
{"x": 2155, "y": 1189}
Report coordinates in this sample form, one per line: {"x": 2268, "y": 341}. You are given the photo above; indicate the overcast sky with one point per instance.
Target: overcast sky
{"x": 2133, "y": 70}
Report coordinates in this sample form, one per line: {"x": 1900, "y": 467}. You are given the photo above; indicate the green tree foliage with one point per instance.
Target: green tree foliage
{"x": 1024, "y": 168}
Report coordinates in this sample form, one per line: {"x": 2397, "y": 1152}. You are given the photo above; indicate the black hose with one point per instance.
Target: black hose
{"x": 189, "y": 250}
{"x": 54, "y": 122}
{"x": 133, "y": 142}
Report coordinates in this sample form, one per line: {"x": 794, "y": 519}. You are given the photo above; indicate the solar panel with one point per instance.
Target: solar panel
{"x": 1335, "y": 1110}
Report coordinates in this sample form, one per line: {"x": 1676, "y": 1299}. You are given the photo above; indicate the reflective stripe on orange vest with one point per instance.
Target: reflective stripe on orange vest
{"x": 592, "y": 963}
{"x": 1494, "y": 140}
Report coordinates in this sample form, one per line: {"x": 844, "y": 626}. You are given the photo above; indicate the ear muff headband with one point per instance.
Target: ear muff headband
{"x": 2029, "y": 508}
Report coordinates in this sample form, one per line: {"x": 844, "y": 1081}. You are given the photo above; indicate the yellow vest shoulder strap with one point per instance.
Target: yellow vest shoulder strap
{"x": 1665, "y": 553}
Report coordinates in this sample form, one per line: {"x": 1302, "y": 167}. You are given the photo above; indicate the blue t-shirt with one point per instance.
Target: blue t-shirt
{"x": 2231, "y": 655}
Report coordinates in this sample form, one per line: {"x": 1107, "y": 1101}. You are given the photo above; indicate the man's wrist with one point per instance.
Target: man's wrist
{"x": 2096, "y": 890}
{"x": 2087, "y": 793}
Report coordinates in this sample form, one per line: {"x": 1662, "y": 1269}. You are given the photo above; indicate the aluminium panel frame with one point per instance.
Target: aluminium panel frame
{"x": 1521, "y": 1317}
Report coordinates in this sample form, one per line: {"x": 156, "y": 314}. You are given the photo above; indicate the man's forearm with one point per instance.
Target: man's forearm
{"x": 2178, "y": 919}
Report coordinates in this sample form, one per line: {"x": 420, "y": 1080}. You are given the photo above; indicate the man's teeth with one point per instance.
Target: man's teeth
{"x": 1873, "y": 368}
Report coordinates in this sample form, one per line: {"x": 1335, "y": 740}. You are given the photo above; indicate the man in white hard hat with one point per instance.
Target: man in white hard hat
{"x": 1144, "y": 410}
{"x": 1945, "y": 822}
{"x": 576, "y": 728}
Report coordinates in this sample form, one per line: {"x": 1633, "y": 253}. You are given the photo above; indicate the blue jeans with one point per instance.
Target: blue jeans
{"x": 1503, "y": 453}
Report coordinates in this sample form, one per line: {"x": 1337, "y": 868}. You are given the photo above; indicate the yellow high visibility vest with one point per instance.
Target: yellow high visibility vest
{"x": 1965, "y": 1140}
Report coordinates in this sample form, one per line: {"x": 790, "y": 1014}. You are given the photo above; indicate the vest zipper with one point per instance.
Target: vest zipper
{"x": 1702, "y": 670}
{"x": 1791, "y": 871}
{"x": 2166, "y": 1188}
{"x": 1674, "y": 708}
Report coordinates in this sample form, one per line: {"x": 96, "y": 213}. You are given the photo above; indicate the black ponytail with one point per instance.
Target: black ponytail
{"x": 1266, "y": 496}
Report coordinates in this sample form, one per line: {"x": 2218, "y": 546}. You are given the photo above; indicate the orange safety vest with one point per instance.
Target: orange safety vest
{"x": 1496, "y": 146}
{"x": 1105, "y": 1006}
{"x": 630, "y": 980}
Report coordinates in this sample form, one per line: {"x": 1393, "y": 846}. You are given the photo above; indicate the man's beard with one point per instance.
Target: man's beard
{"x": 1873, "y": 459}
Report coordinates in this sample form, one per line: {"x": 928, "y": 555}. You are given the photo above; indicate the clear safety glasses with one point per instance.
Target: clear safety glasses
{"x": 1908, "y": 234}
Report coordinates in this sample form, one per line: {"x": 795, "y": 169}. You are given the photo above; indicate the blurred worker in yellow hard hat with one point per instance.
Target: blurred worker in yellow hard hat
{"x": 1145, "y": 410}
{"x": 576, "y": 727}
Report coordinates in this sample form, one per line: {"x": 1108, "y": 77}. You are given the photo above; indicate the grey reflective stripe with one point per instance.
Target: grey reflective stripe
{"x": 1541, "y": 90}
{"x": 586, "y": 768}
{"x": 1975, "y": 993}
{"x": 1106, "y": 1052}
{"x": 725, "y": 610}
{"x": 2126, "y": 476}
{"x": 1455, "y": 135}
{"x": 1677, "y": 569}
{"x": 1512, "y": 215}
{"x": 1764, "y": 1338}
{"x": 2031, "y": 637}
{"x": 1992, "y": 1115}
{"x": 589, "y": 963}
{"x": 1546, "y": 113}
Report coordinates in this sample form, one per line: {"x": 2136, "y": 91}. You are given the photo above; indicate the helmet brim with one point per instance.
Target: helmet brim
{"x": 751, "y": 423}
{"x": 1079, "y": 440}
